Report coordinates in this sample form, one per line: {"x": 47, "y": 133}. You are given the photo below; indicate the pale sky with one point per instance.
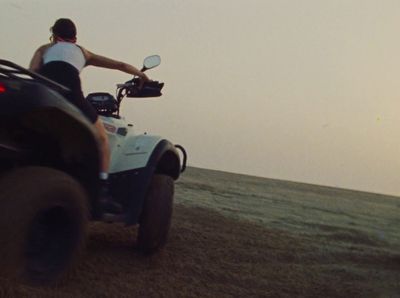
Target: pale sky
{"x": 305, "y": 90}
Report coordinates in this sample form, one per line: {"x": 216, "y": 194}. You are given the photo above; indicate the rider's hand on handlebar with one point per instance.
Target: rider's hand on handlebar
{"x": 143, "y": 78}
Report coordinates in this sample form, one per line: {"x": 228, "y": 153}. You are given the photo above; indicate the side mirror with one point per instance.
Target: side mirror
{"x": 151, "y": 62}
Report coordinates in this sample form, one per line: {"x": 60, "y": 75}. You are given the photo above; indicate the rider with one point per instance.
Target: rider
{"x": 62, "y": 60}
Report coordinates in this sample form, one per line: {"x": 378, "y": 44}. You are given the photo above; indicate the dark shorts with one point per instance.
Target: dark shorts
{"x": 67, "y": 75}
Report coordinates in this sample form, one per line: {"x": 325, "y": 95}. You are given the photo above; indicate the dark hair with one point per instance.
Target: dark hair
{"x": 64, "y": 28}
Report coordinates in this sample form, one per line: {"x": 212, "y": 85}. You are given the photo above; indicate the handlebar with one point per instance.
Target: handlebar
{"x": 131, "y": 89}
{"x": 123, "y": 85}
{"x": 15, "y": 71}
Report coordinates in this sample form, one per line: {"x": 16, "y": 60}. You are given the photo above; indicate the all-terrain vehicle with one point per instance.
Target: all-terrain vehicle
{"x": 49, "y": 173}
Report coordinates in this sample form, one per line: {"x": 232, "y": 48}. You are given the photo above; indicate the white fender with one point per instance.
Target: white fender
{"x": 128, "y": 151}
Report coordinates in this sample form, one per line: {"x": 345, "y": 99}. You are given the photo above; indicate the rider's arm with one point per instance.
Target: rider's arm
{"x": 37, "y": 60}
{"x": 101, "y": 61}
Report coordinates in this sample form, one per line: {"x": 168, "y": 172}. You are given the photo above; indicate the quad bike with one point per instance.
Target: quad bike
{"x": 49, "y": 173}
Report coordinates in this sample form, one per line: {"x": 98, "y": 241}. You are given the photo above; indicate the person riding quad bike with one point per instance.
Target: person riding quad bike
{"x": 62, "y": 60}
{"x": 51, "y": 157}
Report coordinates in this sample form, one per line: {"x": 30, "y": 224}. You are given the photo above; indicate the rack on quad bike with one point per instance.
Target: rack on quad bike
{"x": 10, "y": 70}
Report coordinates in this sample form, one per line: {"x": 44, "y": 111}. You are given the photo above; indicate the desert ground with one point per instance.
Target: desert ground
{"x": 241, "y": 236}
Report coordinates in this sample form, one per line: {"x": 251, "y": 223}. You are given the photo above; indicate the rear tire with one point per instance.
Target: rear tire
{"x": 155, "y": 219}
{"x": 43, "y": 221}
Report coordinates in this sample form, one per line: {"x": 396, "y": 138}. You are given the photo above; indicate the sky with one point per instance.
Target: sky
{"x": 304, "y": 91}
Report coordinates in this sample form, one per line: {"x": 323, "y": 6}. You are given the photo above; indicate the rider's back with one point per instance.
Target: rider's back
{"x": 65, "y": 52}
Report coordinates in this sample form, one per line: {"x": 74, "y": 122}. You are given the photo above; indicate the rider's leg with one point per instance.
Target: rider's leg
{"x": 104, "y": 149}
{"x": 108, "y": 204}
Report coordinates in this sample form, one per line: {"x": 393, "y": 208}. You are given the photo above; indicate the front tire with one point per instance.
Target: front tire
{"x": 155, "y": 220}
{"x": 43, "y": 221}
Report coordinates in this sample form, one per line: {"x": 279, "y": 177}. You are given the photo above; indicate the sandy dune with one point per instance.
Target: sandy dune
{"x": 242, "y": 236}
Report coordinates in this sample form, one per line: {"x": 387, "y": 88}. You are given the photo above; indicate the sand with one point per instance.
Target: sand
{"x": 242, "y": 236}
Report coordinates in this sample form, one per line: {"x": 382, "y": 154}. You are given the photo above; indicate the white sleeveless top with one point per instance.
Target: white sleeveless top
{"x": 66, "y": 52}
